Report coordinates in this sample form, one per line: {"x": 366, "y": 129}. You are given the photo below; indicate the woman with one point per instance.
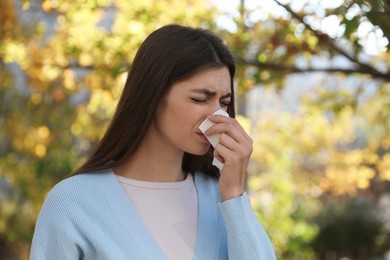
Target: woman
{"x": 149, "y": 190}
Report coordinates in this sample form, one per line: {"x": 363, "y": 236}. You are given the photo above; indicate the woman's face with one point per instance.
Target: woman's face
{"x": 187, "y": 104}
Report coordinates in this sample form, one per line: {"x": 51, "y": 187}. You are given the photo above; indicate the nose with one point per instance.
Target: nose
{"x": 211, "y": 108}
{"x": 215, "y": 106}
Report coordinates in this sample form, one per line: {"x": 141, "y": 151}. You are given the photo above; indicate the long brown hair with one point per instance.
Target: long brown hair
{"x": 168, "y": 55}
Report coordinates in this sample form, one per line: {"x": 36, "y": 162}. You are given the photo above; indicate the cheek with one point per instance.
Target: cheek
{"x": 179, "y": 118}
{"x": 185, "y": 118}
{"x": 174, "y": 118}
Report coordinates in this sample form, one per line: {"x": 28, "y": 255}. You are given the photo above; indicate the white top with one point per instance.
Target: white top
{"x": 169, "y": 211}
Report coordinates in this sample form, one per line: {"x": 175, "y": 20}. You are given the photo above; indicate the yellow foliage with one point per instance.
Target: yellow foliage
{"x": 86, "y": 59}
{"x": 310, "y": 143}
{"x": 43, "y": 132}
{"x": 103, "y": 100}
{"x": 94, "y": 81}
{"x": 40, "y": 150}
{"x": 49, "y": 73}
{"x": 60, "y": 59}
{"x": 384, "y": 167}
{"x": 36, "y": 98}
{"x": 69, "y": 79}
{"x": 8, "y": 19}
{"x": 290, "y": 38}
{"x": 136, "y": 27}
{"x": 32, "y": 140}
{"x": 12, "y": 51}
{"x": 312, "y": 41}
{"x": 262, "y": 57}
{"x": 76, "y": 129}
{"x": 256, "y": 183}
{"x": 346, "y": 180}
{"x": 244, "y": 122}
{"x": 46, "y": 5}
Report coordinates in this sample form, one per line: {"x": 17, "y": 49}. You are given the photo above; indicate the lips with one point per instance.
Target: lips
{"x": 203, "y": 137}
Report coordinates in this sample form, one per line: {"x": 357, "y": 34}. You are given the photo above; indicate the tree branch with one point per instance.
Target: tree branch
{"x": 363, "y": 67}
{"x": 295, "y": 69}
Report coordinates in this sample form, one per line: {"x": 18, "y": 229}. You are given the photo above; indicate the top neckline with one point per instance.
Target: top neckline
{"x": 154, "y": 184}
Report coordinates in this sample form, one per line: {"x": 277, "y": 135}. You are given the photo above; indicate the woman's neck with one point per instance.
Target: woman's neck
{"x": 154, "y": 160}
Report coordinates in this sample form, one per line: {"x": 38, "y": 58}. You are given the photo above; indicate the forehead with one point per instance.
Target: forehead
{"x": 214, "y": 79}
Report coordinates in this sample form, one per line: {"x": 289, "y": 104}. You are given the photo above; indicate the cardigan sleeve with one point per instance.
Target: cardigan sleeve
{"x": 53, "y": 230}
{"x": 246, "y": 237}
{"x": 38, "y": 251}
{"x": 53, "y": 251}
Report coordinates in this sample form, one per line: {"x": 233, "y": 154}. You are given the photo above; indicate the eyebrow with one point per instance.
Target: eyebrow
{"x": 209, "y": 93}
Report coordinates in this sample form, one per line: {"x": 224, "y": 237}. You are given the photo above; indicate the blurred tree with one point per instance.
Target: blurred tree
{"x": 336, "y": 146}
{"x": 303, "y": 162}
{"x": 355, "y": 231}
{"x": 276, "y": 44}
{"x": 61, "y": 76}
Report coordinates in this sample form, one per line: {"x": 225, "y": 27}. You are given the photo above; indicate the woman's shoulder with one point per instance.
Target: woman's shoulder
{"x": 79, "y": 182}
{"x": 71, "y": 189}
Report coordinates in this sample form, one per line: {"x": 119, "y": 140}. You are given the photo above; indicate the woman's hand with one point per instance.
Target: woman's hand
{"x": 234, "y": 150}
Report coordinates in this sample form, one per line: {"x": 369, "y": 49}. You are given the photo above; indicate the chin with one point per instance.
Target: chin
{"x": 199, "y": 152}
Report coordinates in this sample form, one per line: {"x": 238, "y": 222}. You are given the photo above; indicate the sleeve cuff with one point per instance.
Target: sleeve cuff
{"x": 237, "y": 213}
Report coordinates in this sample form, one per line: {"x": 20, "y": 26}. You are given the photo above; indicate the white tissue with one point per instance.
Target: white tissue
{"x": 213, "y": 139}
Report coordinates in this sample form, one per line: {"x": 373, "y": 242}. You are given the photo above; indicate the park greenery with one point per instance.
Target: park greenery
{"x": 319, "y": 178}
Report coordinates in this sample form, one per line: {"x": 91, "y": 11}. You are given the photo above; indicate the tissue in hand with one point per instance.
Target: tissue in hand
{"x": 213, "y": 139}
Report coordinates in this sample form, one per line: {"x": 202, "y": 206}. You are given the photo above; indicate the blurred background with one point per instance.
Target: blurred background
{"x": 313, "y": 90}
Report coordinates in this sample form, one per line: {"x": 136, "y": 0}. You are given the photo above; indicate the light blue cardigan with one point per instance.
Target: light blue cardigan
{"x": 89, "y": 216}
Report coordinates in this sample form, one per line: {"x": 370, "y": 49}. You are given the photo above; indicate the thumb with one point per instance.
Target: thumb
{"x": 218, "y": 156}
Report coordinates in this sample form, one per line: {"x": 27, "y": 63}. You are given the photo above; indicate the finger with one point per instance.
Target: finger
{"x": 218, "y": 156}
{"x": 229, "y": 123}
{"x": 239, "y": 135}
{"x": 228, "y": 142}
{"x": 223, "y": 152}
{"x": 234, "y": 149}
{"x": 231, "y": 158}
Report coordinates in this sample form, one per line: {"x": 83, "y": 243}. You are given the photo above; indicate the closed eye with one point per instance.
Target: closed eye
{"x": 225, "y": 101}
{"x": 225, "y": 104}
{"x": 199, "y": 100}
